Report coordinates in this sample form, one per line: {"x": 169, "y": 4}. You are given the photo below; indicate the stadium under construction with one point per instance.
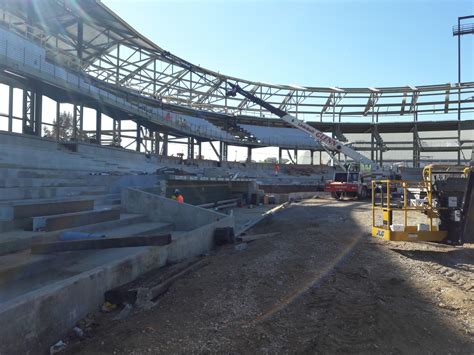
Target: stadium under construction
{"x": 87, "y": 199}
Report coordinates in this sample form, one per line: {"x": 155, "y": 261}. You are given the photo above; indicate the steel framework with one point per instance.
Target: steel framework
{"x": 88, "y": 37}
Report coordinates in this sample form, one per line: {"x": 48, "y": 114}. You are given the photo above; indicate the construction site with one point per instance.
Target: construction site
{"x": 126, "y": 227}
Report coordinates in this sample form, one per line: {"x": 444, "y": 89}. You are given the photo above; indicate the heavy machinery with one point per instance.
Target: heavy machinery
{"x": 436, "y": 209}
{"x": 352, "y": 182}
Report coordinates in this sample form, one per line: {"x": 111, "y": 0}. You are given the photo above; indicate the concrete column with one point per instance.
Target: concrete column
{"x": 200, "y": 149}
{"x": 190, "y": 148}
{"x": 296, "y": 156}
{"x": 249, "y": 154}
{"x": 138, "y": 138}
{"x": 320, "y": 157}
{"x": 58, "y": 120}
{"x": 311, "y": 152}
{"x": 74, "y": 122}
{"x": 98, "y": 125}
{"x": 117, "y": 131}
{"x": 157, "y": 142}
{"x": 165, "y": 144}
{"x": 10, "y": 109}
{"x": 223, "y": 151}
{"x": 81, "y": 118}
{"x": 280, "y": 155}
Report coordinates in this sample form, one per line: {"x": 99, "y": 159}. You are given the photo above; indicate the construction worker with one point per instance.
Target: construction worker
{"x": 177, "y": 196}
{"x": 277, "y": 169}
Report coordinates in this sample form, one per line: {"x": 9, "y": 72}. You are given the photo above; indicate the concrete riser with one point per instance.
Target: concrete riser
{"x": 58, "y": 222}
{"x": 47, "y": 182}
{"x": 44, "y": 209}
{"x": 19, "y": 193}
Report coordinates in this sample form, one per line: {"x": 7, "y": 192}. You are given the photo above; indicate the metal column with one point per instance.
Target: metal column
{"x": 77, "y": 121}
{"x": 38, "y": 113}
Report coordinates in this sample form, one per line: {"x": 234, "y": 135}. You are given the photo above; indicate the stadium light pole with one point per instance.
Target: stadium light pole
{"x": 459, "y": 31}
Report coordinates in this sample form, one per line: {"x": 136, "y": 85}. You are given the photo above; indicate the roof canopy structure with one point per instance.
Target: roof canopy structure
{"x": 88, "y": 36}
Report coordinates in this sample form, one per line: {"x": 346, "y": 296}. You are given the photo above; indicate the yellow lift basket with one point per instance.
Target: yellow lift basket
{"x": 385, "y": 205}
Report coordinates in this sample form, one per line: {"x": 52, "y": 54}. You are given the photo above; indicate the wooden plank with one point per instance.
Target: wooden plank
{"x": 163, "y": 287}
{"x": 152, "y": 284}
{"x": 101, "y": 243}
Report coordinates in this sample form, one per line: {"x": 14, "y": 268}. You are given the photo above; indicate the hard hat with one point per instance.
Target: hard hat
{"x": 177, "y": 192}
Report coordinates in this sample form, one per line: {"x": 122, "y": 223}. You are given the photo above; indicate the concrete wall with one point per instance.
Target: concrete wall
{"x": 162, "y": 209}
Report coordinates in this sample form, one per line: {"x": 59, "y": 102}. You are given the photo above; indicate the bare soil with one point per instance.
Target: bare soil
{"x": 321, "y": 285}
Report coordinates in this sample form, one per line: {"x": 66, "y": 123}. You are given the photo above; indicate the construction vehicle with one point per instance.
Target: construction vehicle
{"x": 436, "y": 209}
{"x": 352, "y": 181}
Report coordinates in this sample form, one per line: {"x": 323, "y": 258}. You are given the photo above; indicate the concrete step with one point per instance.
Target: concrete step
{"x": 62, "y": 162}
{"x": 26, "y": 266}
{"x": 32, "y": 209}
{"x": 17, "y": 240}
{"x": 48, "y": 182}
{"x": 75, "y": 219}
{"x": 19, "y": 193}
{"x": 21, "y": 172}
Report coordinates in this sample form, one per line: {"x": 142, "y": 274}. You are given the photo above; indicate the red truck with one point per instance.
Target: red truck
{"x": 347, "y": 184}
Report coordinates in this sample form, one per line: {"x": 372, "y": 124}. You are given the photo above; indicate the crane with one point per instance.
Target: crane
{"x": 350, "y": 183}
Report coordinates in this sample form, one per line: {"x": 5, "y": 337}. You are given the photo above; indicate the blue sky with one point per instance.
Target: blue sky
{"x": 317, "y": 43}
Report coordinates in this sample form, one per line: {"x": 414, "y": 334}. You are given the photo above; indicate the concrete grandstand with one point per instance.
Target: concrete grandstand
{"x": 117, "y": 180}
{"x": 120, "y": 73}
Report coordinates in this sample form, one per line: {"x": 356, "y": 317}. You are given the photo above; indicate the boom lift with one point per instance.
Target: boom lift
{"x": 349, "y": 183}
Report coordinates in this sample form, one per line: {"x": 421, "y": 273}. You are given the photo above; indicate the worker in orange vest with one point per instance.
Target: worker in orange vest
{"x": 177, "y": 196}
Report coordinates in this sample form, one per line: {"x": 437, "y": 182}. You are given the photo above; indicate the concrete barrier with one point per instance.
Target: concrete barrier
{"x": 162, "y": 209}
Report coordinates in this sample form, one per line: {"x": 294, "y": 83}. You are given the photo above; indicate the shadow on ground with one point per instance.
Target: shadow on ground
{"x": 319, "y": 286}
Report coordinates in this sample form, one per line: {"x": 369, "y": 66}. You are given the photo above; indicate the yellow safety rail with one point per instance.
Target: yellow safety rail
{"x": 384, "y": 202}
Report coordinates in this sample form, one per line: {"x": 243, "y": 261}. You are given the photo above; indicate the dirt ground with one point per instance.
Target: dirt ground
{"x": 322, "y": 285}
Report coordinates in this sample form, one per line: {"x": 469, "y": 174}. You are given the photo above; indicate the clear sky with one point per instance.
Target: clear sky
{"x": 357, "y": 43}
